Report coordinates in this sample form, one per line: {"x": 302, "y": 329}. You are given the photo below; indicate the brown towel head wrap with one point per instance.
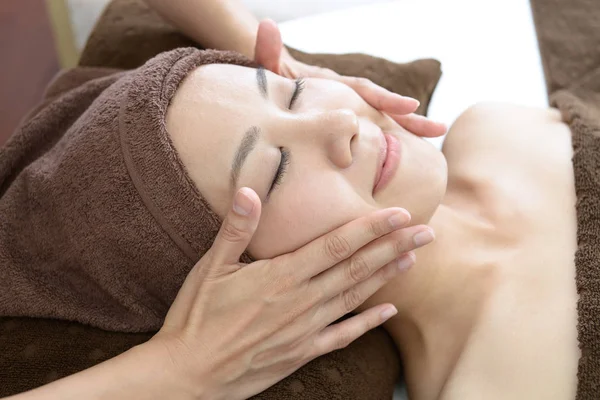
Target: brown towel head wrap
{"x": 100, "y": 222}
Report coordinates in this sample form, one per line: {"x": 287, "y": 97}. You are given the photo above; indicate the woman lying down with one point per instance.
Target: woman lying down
{"x": 489, "y": 308}
{"x": 491, "y": 297}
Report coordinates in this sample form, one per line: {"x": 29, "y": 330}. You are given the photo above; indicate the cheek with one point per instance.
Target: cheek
{"x": 420, "y": 182}
{"x": 303, "y": 213}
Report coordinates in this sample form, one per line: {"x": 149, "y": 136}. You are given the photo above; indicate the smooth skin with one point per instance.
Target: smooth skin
{"x": 333, "y": 140}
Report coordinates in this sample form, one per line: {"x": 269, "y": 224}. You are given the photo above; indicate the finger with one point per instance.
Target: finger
{"x": 381, "y": 98}
{"x": 340, "y": 335}
{"x": 322, "y": 73}
{"x": 336, "y": 246}
{"x": 420, "y": 125}
{"x": 237, "y": 228}
{"x": 365, "y": 262}
{"x": 231, "y": 241}
{"x": 350, "y": 299}
{"x": 267, "y": 51}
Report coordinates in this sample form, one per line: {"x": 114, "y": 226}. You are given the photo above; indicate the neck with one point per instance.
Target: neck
{"x": 444, "y": 300}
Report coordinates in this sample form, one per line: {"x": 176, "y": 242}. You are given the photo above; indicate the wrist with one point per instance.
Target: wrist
{"x": 215, "y": 24}
{"x": 169, "y": 378}
{"x": 238, "y": 29}
{"x": 243, "y": 44}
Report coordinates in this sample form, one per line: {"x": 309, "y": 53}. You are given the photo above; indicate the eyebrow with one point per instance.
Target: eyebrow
{"x": 246, "y": 146}
{"x": 261, "y": 80}
{"x": 251, "y": 136}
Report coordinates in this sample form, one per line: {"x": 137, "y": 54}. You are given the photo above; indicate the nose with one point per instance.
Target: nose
{"x": 337, "y": 131}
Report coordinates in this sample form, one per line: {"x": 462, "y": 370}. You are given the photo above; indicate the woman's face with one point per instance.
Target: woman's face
{"x": 319, "y": 142}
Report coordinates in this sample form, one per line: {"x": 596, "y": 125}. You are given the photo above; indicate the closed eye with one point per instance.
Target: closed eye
{"x": 285, "y": 154}
{"x": 299, "y": 88}
{"x": 281, "y": 170}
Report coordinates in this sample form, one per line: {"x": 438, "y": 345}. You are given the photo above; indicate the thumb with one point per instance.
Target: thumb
{"x": 237, "y": 229}
{"x": 222, "y": 258}
{"x": 267, "y": 51}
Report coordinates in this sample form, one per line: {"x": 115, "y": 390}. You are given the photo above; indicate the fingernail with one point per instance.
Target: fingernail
{"x": 399, "y": 219}
{"x": 415, "y": 100}
{"x": 423, "y": 237}
{"x": 242, "y": 204}
{"x": 388, "y": 313}
{"x": 405, "y": 262}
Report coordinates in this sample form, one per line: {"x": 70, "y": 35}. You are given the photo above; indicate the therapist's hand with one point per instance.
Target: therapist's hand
{"x": 234, "y": 330}
{"x": 270, "y": 53}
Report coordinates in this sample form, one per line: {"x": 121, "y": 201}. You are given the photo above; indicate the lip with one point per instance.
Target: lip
{"x": 389, "y": 158}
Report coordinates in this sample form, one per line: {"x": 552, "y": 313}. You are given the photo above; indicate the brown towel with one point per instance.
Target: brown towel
{"x": 34, "y": 351}
{"x": 101, "y": 226}
{"x": 569, "y": 38}
{"x": 129, "y": 33}
{"x": 100, "y": 222}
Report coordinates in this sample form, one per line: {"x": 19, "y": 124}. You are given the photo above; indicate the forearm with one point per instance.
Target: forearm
{"x": 137, "y": 374}
{"x": 218, "y": 24}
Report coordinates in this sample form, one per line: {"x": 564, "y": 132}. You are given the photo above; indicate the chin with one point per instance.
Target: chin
{"x": 420, "y": 181}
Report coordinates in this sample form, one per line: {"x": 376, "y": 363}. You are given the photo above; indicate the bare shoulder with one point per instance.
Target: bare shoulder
{"x": 490, "y": 134}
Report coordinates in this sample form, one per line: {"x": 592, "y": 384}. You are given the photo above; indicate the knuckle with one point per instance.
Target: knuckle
{"x": 282, "y": 284}
{"x": 295, "y": 358}
{"x": 362, "y": 82}
{"x": 232, "y": 233}
{"x": 287, "y": 281}
{"x": 343, "y": 340}
{"x": 377, "y": 228}
{"x": 327, "y": 71}
{"x": 316, "y": 294}
{"x": 337, "y": 248}
{"x": 289, "y": 316}
{"x": 401, "y": 245}
{"x": 387, "y": 273}
{"x": 352, "y": 299}
{"x": 358, "y": 269}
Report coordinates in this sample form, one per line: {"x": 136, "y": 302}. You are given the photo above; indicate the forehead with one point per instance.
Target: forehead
{"x": 220, "y": 96}
{"x": 206, "y": 118}
{"x": 219, "y": 79}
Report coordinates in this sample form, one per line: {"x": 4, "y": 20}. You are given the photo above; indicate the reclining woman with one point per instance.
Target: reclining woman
{"x": 491, "y": 297}
{"x": 494, "y": 294}
{"x": 319, "y": 156}
{"x": 125, "y": 242}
